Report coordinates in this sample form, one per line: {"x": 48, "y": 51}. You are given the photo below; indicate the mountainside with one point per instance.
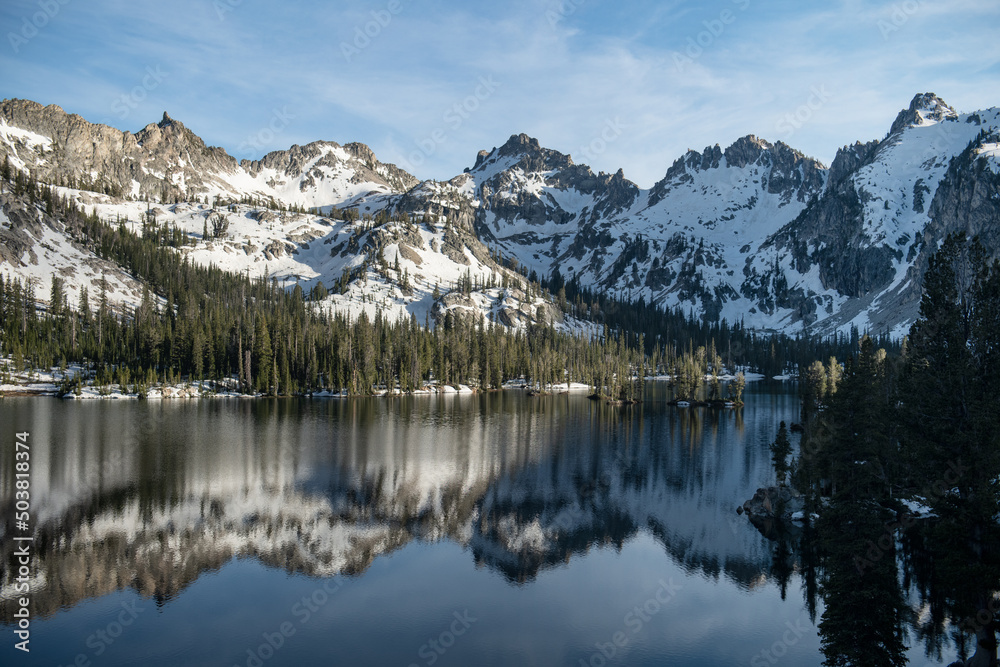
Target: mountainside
{"x": 167, "y": 162}
{"x": 756, "y": 232}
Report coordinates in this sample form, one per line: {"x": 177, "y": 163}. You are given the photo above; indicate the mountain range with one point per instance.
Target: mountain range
{"x": 755, "y": 232}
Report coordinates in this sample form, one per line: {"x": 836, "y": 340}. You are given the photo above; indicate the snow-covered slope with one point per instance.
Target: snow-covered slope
{"x": 35, "y": 247}
{"x": 683, "y": 243}
{"x": 886, "y": 208}
{"x": 167, "y": 162}
{"x": 756, "y": 232}
{"x": 393, "y": 267}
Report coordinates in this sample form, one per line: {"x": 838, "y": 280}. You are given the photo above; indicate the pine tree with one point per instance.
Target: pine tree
{"x": 262, "y": 355}
{"x": 781, "y": 448}
{"x": 938, "y": 389}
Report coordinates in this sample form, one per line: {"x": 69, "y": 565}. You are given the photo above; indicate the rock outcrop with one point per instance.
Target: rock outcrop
{"x": 755, "y": 232}
{"x": 774, "y": 502}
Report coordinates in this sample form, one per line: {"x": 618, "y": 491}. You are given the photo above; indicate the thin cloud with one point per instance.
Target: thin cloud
{"x": 561, "y": 75}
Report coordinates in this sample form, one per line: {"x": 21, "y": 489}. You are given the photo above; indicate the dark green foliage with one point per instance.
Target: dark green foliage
{"x": 863, "y": 622}
{"x": 950, "y": 383}
{"x": 926, "y": 425}
{"x": 850, "y": 449}
{"x": 781, "y": 449}
{"x": 200, "y": 322}
{"x": 667, "y": 332}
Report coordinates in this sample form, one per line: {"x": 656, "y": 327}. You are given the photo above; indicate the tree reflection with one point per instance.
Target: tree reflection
{"x": 882, "y": 578}
{"x": 864, "y": 619}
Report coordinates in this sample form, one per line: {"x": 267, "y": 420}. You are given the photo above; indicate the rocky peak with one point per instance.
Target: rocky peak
{"x": 745, "y": 150}
{"x": 528, "y": 155}
{"x": 849, "y": 159}
{"x": 519, "y": 144}
{"x": 361, "y": 152}
{"x": 480, "y": 158}
{"x": 170, "y": 132}
{"x": 788, "y": 171}
{"x": 708, "y": 159}
{"x": 924, "y": 109}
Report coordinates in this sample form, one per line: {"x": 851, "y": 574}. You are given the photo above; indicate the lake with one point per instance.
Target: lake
{"x": 493, "y": 529}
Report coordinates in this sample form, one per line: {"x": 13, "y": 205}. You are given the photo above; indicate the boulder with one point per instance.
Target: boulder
{"x": 774, "y": 502}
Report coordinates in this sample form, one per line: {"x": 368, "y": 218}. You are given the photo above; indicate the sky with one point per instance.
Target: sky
{"x": 429, "y": 83}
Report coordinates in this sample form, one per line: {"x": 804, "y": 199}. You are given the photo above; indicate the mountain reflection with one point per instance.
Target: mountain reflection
{"x": 150, "y": 495}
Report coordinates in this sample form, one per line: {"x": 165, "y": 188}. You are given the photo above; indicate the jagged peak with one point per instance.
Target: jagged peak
{"x": 520, "y": 143}
{"x": 924, "y": 109}
{"x": 745, "y": 150}
{"x": 526, "y": 152}
{"x": 167, "y": 120}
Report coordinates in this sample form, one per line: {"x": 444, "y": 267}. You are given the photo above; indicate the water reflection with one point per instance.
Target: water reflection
{"x": 887, "y": 580}
{"x": 150, "y": 495}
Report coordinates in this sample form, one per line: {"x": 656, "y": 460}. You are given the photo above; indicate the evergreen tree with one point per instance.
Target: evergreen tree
{"x": 949, "y": 404}
{"x": 781, "y": 449}
{"x": 863, "y": 619}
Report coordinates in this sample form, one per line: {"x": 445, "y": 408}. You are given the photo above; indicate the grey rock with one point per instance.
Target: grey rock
{"x": 774, "y": 502}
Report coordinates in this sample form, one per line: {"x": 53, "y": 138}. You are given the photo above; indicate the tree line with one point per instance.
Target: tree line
{"x": 919, "y": 425}
{"x": 198, "y": 322}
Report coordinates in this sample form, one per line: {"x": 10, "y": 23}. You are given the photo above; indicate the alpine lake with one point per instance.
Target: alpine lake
{"x": 465, "y": 530}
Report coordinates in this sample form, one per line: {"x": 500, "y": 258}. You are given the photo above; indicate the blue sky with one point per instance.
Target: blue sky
{"x": 428, "y": 83}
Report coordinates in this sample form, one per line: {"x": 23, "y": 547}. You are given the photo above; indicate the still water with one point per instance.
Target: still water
{"x": 455, "y": 530}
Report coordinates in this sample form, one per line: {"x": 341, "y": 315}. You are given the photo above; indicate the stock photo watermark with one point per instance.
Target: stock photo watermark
{"x": 985, "y": 618}
{"x": 365, "y": 34}
{"x": 124, "y": 105}
{"x": 609, "y": 133}
{"x": 453, "y": 117}
{"x": 103, "y": 638}
{"x": 24, "y": 540}
{"x": 30, "y": 26}
{"x": 561, "y": 10}
{"x": 436, "y": 647}
{"x": 901, "y": 13}
{"x": 790, "y": 637}
{"x": 634, "y": 621}
{"x": 223, "y": 7}
{"x": 259, "y": 140}
{"x": 303, "y": 610}
{"x": 790, "y": 122}
{"x": 714, "y": 28}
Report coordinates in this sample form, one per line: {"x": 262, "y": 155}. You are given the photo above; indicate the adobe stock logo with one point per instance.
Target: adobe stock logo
{"x": 435, "y": 648}
{"x": 714, "y": 29}
{"x": 901, "y": 13}
{"x": 791, "y": 122}
{"x": 364, "y": 34}
{"x": 454, "y": 117}
{"x": 262, "y": 138}
{"x": 124, "y": 105}
{"x": 634, "y": 621}
{"x": 47, "y": 10}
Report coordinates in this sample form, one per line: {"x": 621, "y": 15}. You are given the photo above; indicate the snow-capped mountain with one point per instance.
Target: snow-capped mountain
{"x": 167, "y": 162}
{"x": 166, "y": 174}
{"x": 756, "y": 232}
{"x": 684, "y": 242}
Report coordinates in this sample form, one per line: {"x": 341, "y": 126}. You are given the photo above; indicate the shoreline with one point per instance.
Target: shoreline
{"x": 207, "y": 389}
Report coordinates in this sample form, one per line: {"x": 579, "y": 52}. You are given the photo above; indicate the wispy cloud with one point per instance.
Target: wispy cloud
{"x": 560, "y": 77}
